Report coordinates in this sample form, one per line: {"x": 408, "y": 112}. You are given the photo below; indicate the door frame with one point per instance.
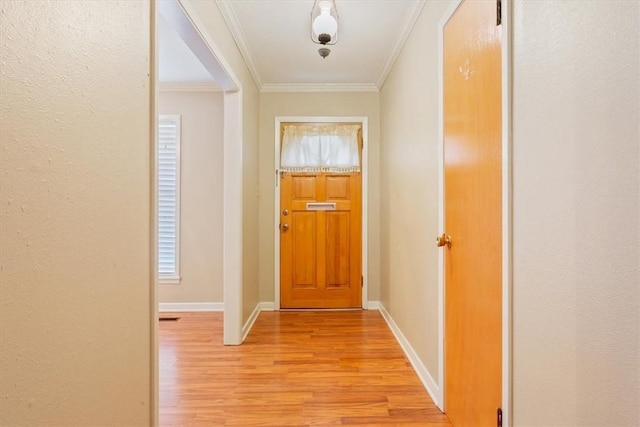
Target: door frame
{"x": 507, "y": 234}
{"x": 364, "y": 121}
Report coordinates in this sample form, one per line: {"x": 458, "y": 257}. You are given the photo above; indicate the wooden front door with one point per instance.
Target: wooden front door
{"x": 320, "y": 240}
{"x": 473, "y": 219}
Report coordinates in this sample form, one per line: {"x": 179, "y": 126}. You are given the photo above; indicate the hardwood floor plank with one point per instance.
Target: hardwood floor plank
{"x": 294, "y": 369}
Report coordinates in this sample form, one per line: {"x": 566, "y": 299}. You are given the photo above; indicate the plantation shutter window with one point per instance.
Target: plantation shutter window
{"x": 168, "y": 198}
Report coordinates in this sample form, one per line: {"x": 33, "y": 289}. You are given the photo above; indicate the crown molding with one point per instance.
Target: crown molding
{"x": 409, "y": 23}
{"x": 320, "y": 87}
{"x": 230, "y": 18}
{"x": 189, "y": 87}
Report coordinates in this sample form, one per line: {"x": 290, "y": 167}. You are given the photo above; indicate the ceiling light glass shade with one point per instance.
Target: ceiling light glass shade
{"x": 324, "y": 22}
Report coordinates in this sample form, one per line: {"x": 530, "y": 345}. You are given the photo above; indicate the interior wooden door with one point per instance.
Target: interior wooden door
{"x": 473, "y": 214}
{"x": 320, "y": 240}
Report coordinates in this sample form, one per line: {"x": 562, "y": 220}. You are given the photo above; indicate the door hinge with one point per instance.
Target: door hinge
{"x": 362, "y": 281}
{"x": 499, "y": 417}
{"x": 277, "y": 178}
{"x": 498, "y": 12}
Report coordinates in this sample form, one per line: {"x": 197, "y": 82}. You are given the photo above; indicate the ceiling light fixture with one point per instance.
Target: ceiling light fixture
{"x": 324, "y": 25}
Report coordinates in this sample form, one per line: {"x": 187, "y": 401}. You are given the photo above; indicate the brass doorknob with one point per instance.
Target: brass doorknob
{"x": 284, "y": 227}
{"x": 443, "y": 240}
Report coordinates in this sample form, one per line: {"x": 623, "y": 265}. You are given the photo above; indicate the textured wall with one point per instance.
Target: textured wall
{"x": 576, "y": 216}
{"x": 75, "y": 282}
{"x": 315, "y": 104}
{"x": 200, "y": 196}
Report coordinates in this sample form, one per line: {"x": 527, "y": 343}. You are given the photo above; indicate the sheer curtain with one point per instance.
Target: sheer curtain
{"x": 320, "y": 148}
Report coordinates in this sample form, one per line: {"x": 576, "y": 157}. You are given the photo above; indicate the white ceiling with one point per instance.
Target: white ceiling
{"x": 273, "y": 37}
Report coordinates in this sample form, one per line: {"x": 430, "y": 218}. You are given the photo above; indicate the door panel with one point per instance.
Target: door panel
{"x": 338, "y": 187}
{"x": 338, "y": 252}
{"x": 473, "y": 214}
{"x": 304, "y": 187}
{"x": 304, "y": 231}
{"x": 320, "y": 250}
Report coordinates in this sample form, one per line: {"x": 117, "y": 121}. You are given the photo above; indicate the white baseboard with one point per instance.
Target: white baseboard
{"x": 427, "y": 380}
{"x": 261, "y": 306}
{"x": 190, "y": 306}
{"x": 373, "y": 305}
{"x": 267, "y": 306}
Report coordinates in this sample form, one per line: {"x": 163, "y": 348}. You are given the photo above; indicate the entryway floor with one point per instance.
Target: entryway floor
{"x": 305, "y": 368}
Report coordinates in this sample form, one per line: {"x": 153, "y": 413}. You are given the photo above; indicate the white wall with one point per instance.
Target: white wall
{"x": 75, "y": 197}
{"x": 576, "y": 215}
{"x": 315, "y": 104}
{"x": 200, "y": 196}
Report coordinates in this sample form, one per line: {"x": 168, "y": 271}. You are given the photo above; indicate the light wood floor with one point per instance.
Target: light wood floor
{"x": 294, "y": 369}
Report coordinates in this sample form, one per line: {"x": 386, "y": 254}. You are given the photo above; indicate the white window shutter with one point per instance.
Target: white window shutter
{"x": 168, "y": 197}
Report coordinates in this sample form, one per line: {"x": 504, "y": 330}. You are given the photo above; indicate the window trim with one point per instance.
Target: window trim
{"x": 172, "y": 278}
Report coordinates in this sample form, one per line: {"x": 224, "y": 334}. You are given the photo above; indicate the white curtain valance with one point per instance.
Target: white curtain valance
{"x": 320, "y": 148}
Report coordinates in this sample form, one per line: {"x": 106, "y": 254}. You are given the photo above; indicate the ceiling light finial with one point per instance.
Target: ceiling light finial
{"x": 324, "y": 23}
{"x": 324, "y": 52}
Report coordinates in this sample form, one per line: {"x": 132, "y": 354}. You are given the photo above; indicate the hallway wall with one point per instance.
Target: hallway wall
{"x": 200, "y": 196}
{"x": 576, "y": 136}
{"x": 315, "y": 104}
{"x": 75, "y": 283}
{"x": 409, "y": 188}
